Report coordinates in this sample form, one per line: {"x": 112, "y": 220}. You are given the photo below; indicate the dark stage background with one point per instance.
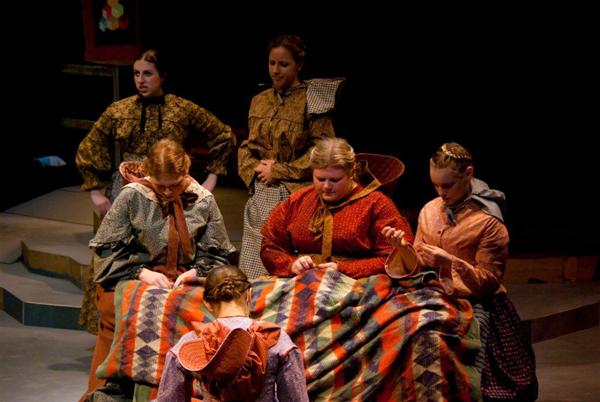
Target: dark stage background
{"x": 515, "y": 86}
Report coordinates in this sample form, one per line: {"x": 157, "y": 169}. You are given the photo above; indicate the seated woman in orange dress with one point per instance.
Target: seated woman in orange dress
{"x": 461, "y": 235}
{"x": 335, "y": 223}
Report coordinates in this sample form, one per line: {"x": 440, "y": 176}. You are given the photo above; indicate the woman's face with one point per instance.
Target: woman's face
{"x": 332, "y": 183}
{"x": 167, "y": 186}
{"x": 283, "y": 69}
{"x": 450, "y": 185}
{"x": 147, "y": 79}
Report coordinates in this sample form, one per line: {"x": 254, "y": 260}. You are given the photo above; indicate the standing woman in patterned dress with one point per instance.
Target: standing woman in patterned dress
{"x": 135, "y": 124}
{"x": 284, "y": 123}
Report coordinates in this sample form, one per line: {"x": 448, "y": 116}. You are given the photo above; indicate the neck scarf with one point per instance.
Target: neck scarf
{"x": 157, "y": 100}
{"x": 321, "y": 224}
{"x": 179, "y": 239}
{"x": 281, "y": 95}
{"x": 451, "y": 211}
{"x": 491, "y": 201}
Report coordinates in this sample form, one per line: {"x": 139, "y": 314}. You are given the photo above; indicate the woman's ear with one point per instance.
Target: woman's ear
{"x": 355, "y": 173}
{"x": 470, "y": 171}
{"x": 248, "y": 296}
{"x": 209, "y": 307}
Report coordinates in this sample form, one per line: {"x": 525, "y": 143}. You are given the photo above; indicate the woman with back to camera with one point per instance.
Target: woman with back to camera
{"x": 234, "y": 357}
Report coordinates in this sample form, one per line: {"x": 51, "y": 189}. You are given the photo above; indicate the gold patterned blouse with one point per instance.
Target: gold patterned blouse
{"x": 280, "y": 129}
{"x": 136, "y": 126}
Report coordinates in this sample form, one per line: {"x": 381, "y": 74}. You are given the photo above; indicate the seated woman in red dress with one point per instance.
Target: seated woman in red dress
{"x": 335, "y": 223}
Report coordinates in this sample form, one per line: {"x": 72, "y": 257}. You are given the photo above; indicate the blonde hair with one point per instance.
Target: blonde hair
{"x": 451, "y": 155}
{"x": 225, "y": 283}
{"x": 333, "y": 152}
{"x": 167, "y": 158}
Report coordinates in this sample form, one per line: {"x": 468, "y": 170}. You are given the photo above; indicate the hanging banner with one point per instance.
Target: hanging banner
{"x": 112, "y": 31}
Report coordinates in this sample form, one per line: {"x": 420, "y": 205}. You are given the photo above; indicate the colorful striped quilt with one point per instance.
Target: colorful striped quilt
{"x": 371, "y": 339}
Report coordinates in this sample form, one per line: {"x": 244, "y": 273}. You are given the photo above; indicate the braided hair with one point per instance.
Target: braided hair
{"x": 225, "y": 283}
{"x": 452, "y": 155}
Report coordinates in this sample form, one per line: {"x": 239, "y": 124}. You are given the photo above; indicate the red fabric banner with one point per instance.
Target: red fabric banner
{"x": 112, "y": 31}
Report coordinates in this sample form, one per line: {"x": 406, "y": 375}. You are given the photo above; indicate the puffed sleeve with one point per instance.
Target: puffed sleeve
{"x": 175, "y": 382}
{"x": 93, "y": 157}
{"x": 291, "y": 384}
{"x": 219, "y": 138}
{"x": 118, "y": 255}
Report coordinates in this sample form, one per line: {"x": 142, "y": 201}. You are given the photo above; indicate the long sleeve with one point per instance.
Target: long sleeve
{"x": 384, "y": 213}
{"x": 213, "y": 247}
{"x": 246, "y": 163}
{"x": 93, "y": 157}
{"x": 484, "y": 277}
{"x": 478, "y": 245}
{"x": 173, "y": 385}
{"x": 277, "y": 247}
{"x": 280, "y": 130}
{"x": 114, "y": 244}
{"x": 291, "y": 384}
{"x": 319, "y": 127}
{"x": 219, "y": 138}
{"x": 357, "y": 245}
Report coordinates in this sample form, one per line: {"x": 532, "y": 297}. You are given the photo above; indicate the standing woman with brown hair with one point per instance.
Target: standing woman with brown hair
{"x": 136, "y": 123}
{"x": 284, "y": 123}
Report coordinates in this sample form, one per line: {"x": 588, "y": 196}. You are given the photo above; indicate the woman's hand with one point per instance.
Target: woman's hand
{"x": 327, "y": 265}
{"x": 433, "y": 256}
{"x": 155, "y": 279}
{"x": 264, "y": 171}
{"x": 100, "y": 202}
{"x": 394, "y": 236}
{"x": 302, "y": 264}
{"x": 191, "y": 273}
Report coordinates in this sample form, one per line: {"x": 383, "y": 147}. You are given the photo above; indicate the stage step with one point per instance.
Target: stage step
{"x": 551, "y": 269}
{"x": 38, "y": 300}
{"x": 49, "y": 247}
{"x": 551, "y": 310}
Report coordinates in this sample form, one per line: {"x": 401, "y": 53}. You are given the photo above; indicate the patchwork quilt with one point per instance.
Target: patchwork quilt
{"x": 371, "y": 339}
